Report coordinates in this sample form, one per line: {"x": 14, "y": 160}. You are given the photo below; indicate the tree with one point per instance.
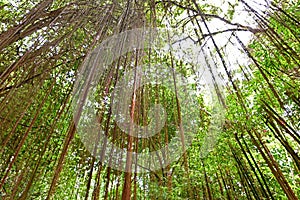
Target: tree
{"x": 45, "y": 44}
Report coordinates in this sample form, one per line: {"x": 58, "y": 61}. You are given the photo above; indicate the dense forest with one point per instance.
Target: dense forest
{"x": 149, "y": 99}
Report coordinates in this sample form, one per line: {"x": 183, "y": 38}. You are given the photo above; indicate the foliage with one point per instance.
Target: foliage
{"x": 43, "y": 44}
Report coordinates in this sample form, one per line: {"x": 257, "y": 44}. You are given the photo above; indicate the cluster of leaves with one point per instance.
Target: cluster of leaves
{"x": 42, "y": 45}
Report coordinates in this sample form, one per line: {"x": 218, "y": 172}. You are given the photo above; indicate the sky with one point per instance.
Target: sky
{"x": 234, "y": 54}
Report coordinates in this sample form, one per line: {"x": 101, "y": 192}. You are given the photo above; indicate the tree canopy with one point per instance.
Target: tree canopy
{"x": 246, "y": 136}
